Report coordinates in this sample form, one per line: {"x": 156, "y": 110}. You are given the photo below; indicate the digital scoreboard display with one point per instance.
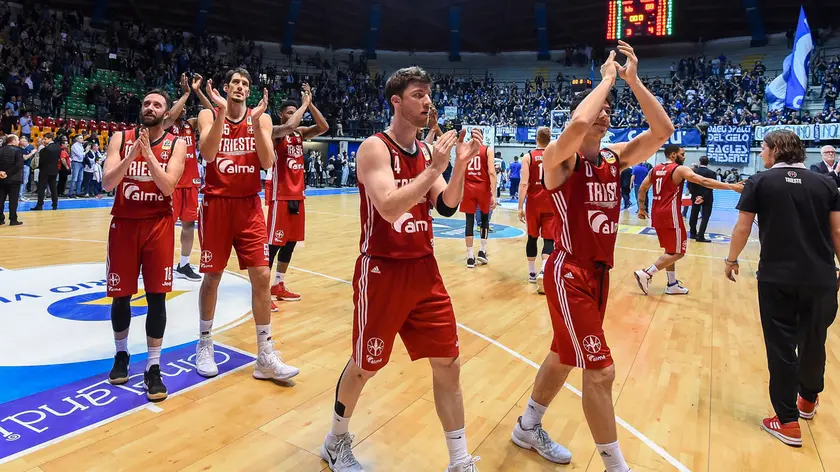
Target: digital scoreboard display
{"x": 634, "y": 18}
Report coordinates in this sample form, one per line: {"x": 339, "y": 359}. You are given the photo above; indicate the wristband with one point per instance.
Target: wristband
{"x": 726, "y": 259}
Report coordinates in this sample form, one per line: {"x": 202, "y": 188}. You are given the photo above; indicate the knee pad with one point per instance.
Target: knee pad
{"x": 548, "y": 246}
{"x": 531, "y": 247}
{"x": 156, "y": 318}
{"x": 286, "y": 252}
{"x": 470, "y": 228}
{"x": 272, "y": 253}
{"x": 121, "y": 314}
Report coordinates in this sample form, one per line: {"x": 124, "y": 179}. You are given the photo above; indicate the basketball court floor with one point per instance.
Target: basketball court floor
{"x": 690, "y": 393}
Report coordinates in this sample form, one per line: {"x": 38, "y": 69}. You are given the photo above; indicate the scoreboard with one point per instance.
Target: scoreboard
{"x": 634, "y": 18}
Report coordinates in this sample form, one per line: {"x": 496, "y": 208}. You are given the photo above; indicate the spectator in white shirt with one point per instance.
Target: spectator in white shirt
{"x": 77, "y": 159}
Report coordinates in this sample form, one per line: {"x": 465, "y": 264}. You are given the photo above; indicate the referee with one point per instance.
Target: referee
{"x": 799, "y": 229}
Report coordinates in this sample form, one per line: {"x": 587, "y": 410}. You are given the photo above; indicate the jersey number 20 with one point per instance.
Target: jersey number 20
{"x": 475, "y": 163}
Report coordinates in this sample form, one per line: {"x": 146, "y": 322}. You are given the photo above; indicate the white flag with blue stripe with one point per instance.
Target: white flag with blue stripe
{"x": 788, "y": 89}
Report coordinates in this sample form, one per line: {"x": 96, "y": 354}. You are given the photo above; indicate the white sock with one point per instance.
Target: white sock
{"x": 121, "y": 344}
{"x": 533, "y": 414}
{"x": 532, "y": 267}
{"x": 185, "y": 261}
{"x": 543, "y": 264}
{"x": 204, "y": 327}
{"x": 652, "y": 270}
{"x": 456, "y": 442}
{"x": 483, "y": 245}
{"x": 672, "y": 277}
{"x": 154, "y": 357}
{"x": 279, "y": 278}
{"x": 340, "y": 425}
{"x": 611, "y": 455}
{"x": 470, "y": 254}
{"x": 263, "y": 336}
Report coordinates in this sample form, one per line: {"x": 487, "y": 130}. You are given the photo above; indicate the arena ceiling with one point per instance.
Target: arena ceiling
{"x": 486, "y": 25}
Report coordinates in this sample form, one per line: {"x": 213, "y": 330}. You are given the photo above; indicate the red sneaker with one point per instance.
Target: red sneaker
{"x": 280, "y": 292}
{"x": 788, "y": 433}
{"x": 274, "y": 308}
{"x": 807, "y": 410}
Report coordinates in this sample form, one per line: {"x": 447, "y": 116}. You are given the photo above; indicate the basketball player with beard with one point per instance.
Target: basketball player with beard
{"x": 235, "y": 142}
{"x": 144, "y": 165}
{"x": 284, "y": 190}
{"x": 397, "y": 287}
{"x": 667, "y": 180}
{"x": 582, "y": 179}
{"x": 185, "y": 197}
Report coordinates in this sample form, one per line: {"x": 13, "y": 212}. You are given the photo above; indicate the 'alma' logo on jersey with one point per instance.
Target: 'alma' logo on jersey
{"x": 601, "y": 224}
{"x": 407, "y": 224}
{"x": 227, "y": 166}
{"x": 293, "y": 164}
{"x": 133, "y": 193}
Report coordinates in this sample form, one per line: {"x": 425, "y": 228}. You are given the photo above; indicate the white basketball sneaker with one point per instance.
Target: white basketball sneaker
{"x": 676, "y": 289}
{"x": 540, "y": 282}
{"x": 538, "y": 440}
{"x": 337, "y": 452}
{"x": 468, "y": 466}
{"x": 643, "y": 279}
{"x": 270, "y": 366}
{"x": 205, "y": 358}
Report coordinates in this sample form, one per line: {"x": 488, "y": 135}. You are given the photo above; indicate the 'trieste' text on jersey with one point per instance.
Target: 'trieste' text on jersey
{"x": 186, "y": 133}
{"x": 236, "y": 170}
{"x": 138, "y": 196}
{"x": 287, "y": 180}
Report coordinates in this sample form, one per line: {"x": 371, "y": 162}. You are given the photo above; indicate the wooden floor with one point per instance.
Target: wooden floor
{"x": 691, "y": 383}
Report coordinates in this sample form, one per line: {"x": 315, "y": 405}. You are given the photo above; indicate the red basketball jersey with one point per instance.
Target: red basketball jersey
{"x": 138, "y": 196}
{"x": 586, "y": 210}
{"x": 667, "y": 196}
{"x": 287, "y": 180}
{"x": 190, "y": 177}
{"x": 236, "y": 170}
{"x": 410, "y": 237}
{"x": 477, "y": 171}
{"x": 537, "y": 195}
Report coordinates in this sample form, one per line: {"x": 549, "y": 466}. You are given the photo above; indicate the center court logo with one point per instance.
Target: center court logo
{"x": 452, "y": 228}
{"x": 42, "y": 308}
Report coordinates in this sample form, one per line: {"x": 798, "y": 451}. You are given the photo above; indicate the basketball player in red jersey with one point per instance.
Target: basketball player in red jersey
{"x": 235, "y": 142}
{"x": 479, "y": 193}
{"x": 185, "y": 197}
{"x": 667, "y": 180}
{"x": 582, "y": 179}
{"x": 538, "y": 215}
{"x": 144, "y": 166}
{"x": 284, "y": 191}
{"x": 397, "y": 286}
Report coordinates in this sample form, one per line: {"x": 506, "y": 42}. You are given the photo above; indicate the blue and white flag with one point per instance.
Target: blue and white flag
{"x": 788, "y": 89}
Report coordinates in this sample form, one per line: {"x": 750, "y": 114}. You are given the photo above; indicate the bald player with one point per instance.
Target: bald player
{"x": 538, "y": 214}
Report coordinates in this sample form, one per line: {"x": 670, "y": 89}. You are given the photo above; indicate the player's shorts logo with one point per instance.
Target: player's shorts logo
{"x": 206, "y": 256}
{"x": 113, "y": 279}
{"x": 592, "y": 344}
{"x": 375, "y": 347}
{"x": 279, "y": 234}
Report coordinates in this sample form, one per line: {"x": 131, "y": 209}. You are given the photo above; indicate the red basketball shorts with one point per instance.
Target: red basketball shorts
{"x": 672, "y": 240}
{"x": 185, "y": 204}
{"x": 225, "y": 223}
{"x": 405, "y": 297}
{"x": 282, "y": 225}
{"x": 147, "y": 243}
{"x": 540, "y": 221}
{"x": 475, "y": 197}
{"x": 577, "y": 301}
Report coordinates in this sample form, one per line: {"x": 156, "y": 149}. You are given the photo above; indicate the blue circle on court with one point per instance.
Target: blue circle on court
{"x": 453, "y": 228}
{"x": 90, "y": 307}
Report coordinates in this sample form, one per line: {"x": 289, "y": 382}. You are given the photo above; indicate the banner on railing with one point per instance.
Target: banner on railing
{"x": 805, "y": 132}
{"x": 683, "y": 137}
{"x": 489, "y": 133}
{"x": 726, "y": 144}
{"x": 450, "y": 112}
{"x": 827, "y": 131}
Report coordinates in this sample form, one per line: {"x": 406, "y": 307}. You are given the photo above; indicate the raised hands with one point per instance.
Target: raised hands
{"x": 465, "y": 151}
{"x": 196, "y": 82}
{"x": 609, "y": 68}
{"x": 305, "y": 95}
{"x": 185, "y": 85}
{"x": 260, "y": 108}
{"x": 443, "y": 149}
{"x": 215, "y": 96}
{"x": 630, "y": 70}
